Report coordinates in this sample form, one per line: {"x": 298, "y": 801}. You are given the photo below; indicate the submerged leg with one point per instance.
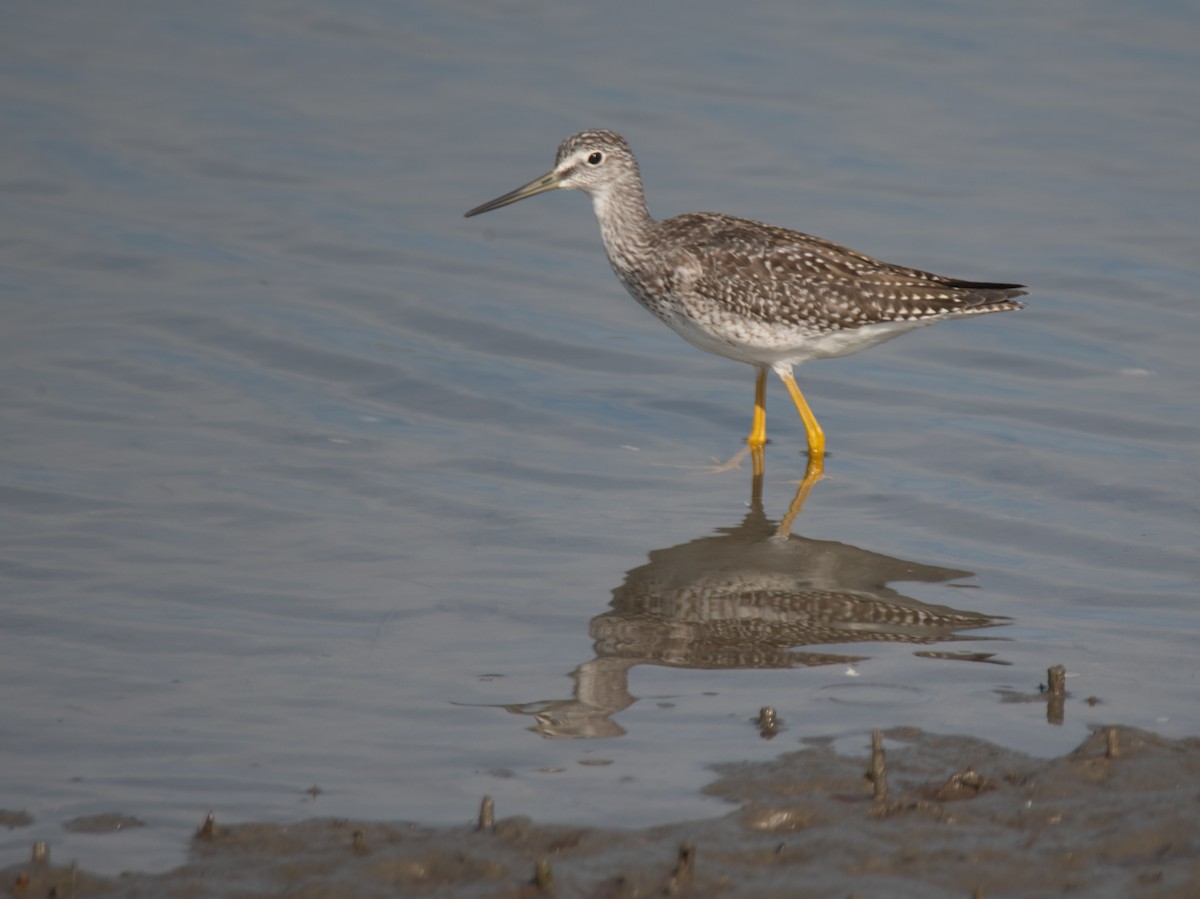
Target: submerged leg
{"x": 816, "y": 437}
{"x": 758, "y": 430}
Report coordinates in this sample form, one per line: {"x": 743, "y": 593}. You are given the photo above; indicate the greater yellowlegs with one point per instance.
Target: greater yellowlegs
{"x": 752, "y": 292}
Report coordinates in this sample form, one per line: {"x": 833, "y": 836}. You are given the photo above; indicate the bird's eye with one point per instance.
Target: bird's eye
{"x": 596, "y": 159}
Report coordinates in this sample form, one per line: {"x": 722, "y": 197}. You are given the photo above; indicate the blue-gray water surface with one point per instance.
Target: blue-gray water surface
{"x": 309, "y": 481}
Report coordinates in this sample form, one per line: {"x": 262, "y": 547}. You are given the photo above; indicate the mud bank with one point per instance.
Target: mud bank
{"x": 936, "y": 816}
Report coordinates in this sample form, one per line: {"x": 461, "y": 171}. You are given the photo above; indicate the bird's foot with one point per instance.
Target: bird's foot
{"x": 735, "y": 461}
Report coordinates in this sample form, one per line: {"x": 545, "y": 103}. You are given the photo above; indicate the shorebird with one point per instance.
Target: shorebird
{"x": 757, "y": 293}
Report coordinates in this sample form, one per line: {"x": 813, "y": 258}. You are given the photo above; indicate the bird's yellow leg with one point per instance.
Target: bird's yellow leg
{"x": 816, "y": 437}
{"x": 758, "y": 430}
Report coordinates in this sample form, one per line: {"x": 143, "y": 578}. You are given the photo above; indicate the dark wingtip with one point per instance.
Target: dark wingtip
{"x": 986, "y": 285}
{"x": 998, "y": 294}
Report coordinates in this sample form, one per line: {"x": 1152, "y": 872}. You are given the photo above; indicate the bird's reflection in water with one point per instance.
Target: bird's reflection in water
{"x": 751, "y": 596}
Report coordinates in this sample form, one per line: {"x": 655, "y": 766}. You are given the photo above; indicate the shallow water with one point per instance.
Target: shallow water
{"x": 310, "y": 481}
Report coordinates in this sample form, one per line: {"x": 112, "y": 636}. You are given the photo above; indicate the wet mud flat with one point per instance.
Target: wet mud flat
{"x": 921, "y": 816}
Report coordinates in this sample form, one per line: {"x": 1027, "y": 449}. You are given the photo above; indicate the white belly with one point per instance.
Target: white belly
{"x": 760, "y": 343}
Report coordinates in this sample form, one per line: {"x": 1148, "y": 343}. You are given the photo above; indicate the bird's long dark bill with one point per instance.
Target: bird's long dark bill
{"x": 549, "y": 181}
